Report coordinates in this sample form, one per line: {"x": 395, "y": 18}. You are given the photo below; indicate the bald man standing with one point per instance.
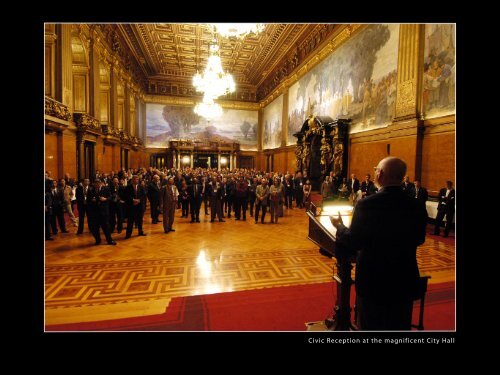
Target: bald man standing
{"x": 386, "y": 229}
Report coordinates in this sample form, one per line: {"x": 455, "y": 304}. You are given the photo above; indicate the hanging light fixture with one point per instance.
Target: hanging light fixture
{"x": 237, "y": 30}
{"x": 214, "y": 82}
{"x": 208, "y": 108}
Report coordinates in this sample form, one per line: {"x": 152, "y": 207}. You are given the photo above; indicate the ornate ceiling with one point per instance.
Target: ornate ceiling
{"x": 170, "y": 54}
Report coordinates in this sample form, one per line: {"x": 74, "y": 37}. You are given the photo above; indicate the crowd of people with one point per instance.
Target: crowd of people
{"x": 116, "y": 198}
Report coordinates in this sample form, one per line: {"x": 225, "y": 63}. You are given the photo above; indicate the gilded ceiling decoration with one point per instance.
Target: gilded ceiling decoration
{"x": 170, "y": 54}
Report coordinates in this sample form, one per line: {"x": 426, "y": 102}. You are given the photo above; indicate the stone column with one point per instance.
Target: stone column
{"x": 284, "y": 120}
{"x": 408, "y": 114}
{"x": 218, "y": 160}
{"x": 192, "y": 159}
{"x": 80, "y": 156}
{"x": 126, "y": 109}
{"x": 410, "y": 71}
{"x": 94, "y": 78}
{"x": 113, "y": 94}
{"x": 64, "y": 64}
{"x": 50, "y": 60}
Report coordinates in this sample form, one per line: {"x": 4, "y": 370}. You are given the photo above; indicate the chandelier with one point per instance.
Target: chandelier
{"x": 214, "y": 82}
{"x": 208, "y": 108}
{"x": 237, "y": 30}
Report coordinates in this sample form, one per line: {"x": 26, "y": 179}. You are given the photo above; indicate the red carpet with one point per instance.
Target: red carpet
{"x": 268, "y": 309}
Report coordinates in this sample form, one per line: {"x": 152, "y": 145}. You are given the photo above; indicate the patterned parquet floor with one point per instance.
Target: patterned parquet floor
{"x": 140, "y": 275}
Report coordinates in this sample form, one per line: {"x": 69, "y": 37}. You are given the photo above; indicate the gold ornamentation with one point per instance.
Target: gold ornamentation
{"x": 183, "y": 101}
{"x": 326, "y": 155}
{"x": 125, "y": 138}
{"x": 338, "y": 155}
{"x": 298, "y": 156}
{"x": 86, "y": 122}
{"x": 57, "y": 109}
{"x": 406, "y": 98}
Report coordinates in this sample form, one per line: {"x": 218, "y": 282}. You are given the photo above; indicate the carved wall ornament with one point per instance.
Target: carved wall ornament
{"x": 326, "y": 155}
{"x": 406, "y": 98}
{"x": 57, "y": 109}
{"x": 86, "y": 122}
{"x": 298, "y": 156}
{"x": 338, "y": 155}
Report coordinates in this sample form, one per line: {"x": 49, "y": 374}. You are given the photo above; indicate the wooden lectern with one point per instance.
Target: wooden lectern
{"x": 322, "y": 233}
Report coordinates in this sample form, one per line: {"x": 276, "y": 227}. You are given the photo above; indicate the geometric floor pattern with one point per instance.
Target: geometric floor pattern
{"x": 132, "y": 281}
{"x": 139, "y": 276}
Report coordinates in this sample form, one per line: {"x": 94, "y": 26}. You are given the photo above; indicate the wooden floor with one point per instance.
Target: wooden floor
{"x": 140, "y": 275}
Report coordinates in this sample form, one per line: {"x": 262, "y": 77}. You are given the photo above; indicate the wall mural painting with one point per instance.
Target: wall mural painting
{"x": 166, "y": 122}
{"x": 439, "y": 70}
{"x": 273, "y": 126}
{"x": 357, "y": 81}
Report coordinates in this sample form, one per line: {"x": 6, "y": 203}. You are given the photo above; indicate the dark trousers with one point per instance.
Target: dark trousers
{"x": 185, "y": 207}
{"x": 195, "y": 209}
{"x": 116, "y": 218}
{"x": 288, "y": 200}
{"x": 439, "y": 221}
{"x": 215, "y": 208}
{"x": 135, "y": 215}
{"x": 240, "y": 204}
{"x": 374, "y": 316}
{"x": 82, "y": 210}
{"x": 252, "y": 204}
{"x": 258, "y": 206}
{"x": 96, "y": 222}
{"x": 47, "y": 224}
{"x": 206, "y": 202}
{"x": 299, "y": 199}
{"x": 230, "y": 205}
{"x": 57, "y": 212}
{"x": 155, "y": 212}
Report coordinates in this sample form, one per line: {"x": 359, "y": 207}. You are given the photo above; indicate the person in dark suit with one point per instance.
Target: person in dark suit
{"x": 135, "y": 194}
{"x": 48, "y": 214}
{"x": 154, "y": 198}
{"x": 298, "y": 185}
{"x": 408, "y": 187}
{"x": 98, "y": 211}
{"x": 368, "y": 187}
{"x": 115, "y": 206}
{"x": 241, "y": 198}
{"x": 81, "y": 203}
{"x": 195, "y": 197}
{"x": 353, "y": 184}
{"x": 206, "y": 198}
{"x": 288, "y": 191}
{"x": 57, "y": 194}
{"x": 420, "y": 193}
{"x": 446, "y": 206}
{"x": 386, "y": 229}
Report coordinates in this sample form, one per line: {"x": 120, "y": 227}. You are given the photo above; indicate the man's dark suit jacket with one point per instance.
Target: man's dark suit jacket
{"x": 408, "y": 189}
{"x": 192, "y": 196}
{"x": 386, "y": 229}
{"x": 130, "y": 195}
{"x": 153, "y": 192}
{"x": 98, "y": 207}
{"x": 369, "y": 188}
{"x": 446, "y": 204}
{"x": 352, "y": 188}
{"x": 422, "y": 196}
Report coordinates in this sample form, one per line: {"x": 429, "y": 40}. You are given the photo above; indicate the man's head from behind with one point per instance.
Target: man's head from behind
{"x": 390, "y": 171}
